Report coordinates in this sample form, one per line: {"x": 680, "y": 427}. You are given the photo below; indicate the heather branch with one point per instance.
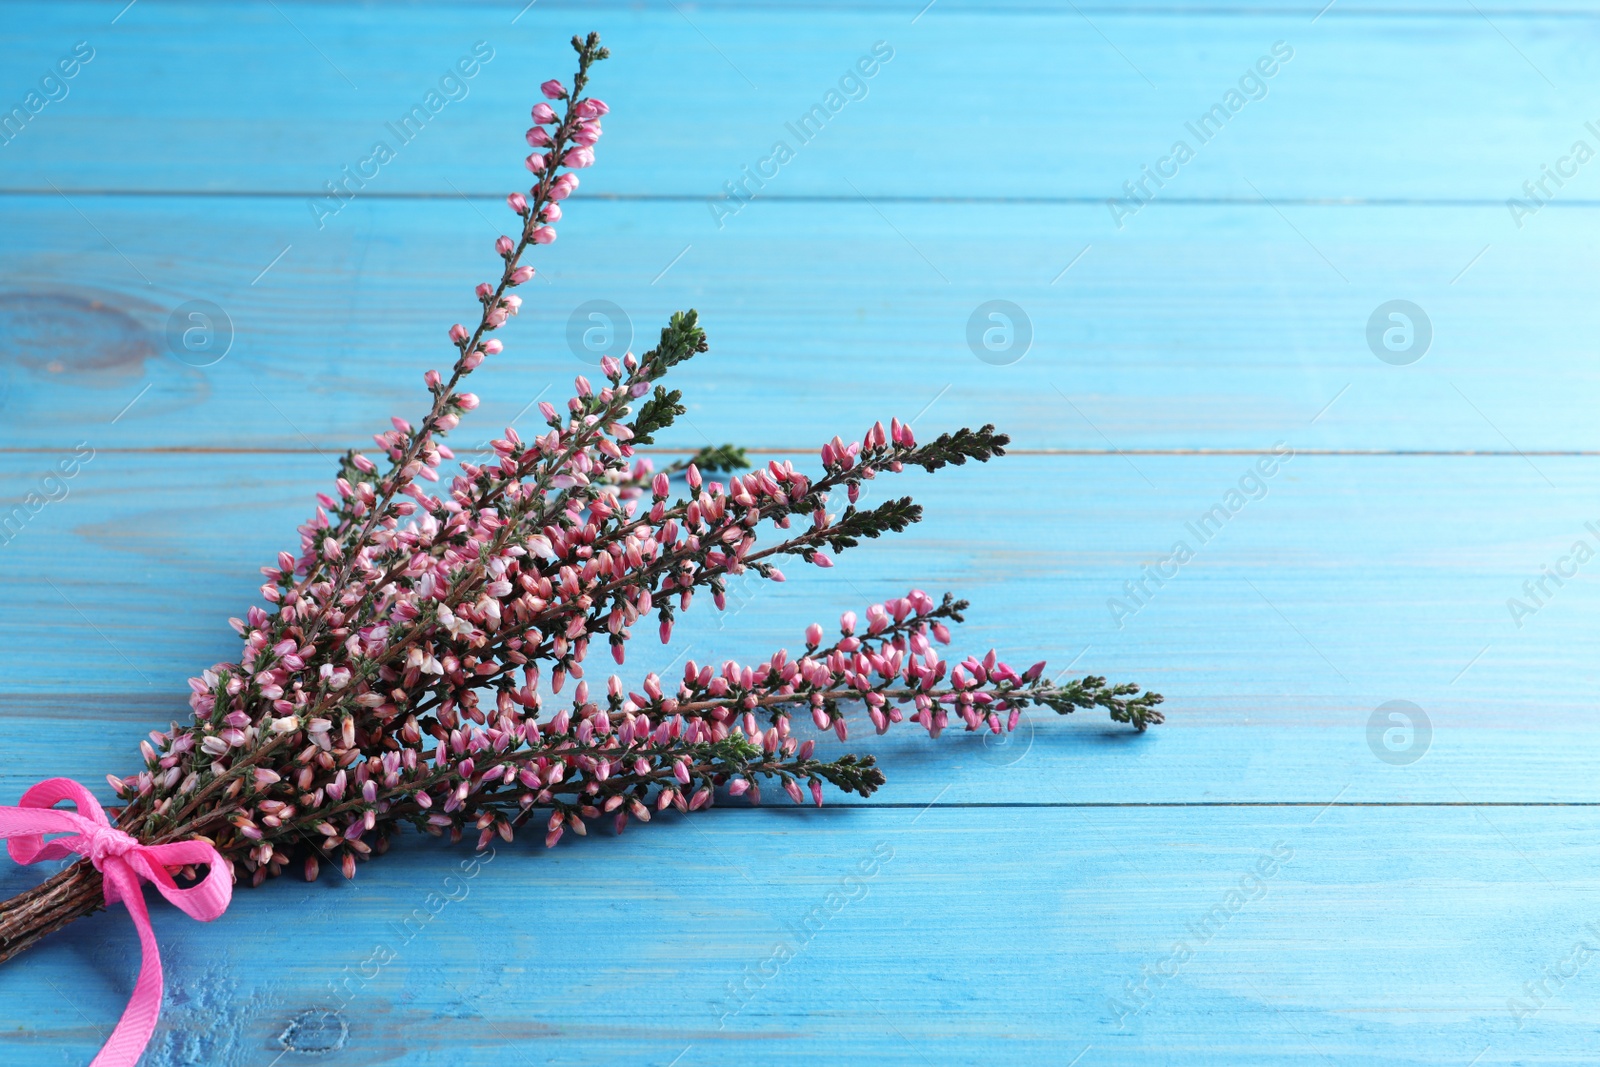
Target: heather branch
{"x": 447, "y": 404}
{"x": 892, "y": 516}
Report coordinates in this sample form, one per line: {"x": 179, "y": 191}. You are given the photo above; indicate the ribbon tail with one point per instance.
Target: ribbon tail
{"x": 127, "y": 1042}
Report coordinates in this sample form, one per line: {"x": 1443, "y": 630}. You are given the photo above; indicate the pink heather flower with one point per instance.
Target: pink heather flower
{"x": 432, "y": 378}
{"x": 552, "y": 213}
{"x": 458, "y": 333}
{"x": 493, "y": 346}
{"x": 504, "y": 245}
{"x": 518, "y": 203}
{"x": 553, "y": 89}
{"x": 813, "y": 635}
{"x": 537, "y": 137}
{"x": 587, "y": 134}
{"x": 543, "y": 114}
{"x": 592, "y": 108}
{"x": 579, "y": 157}
{"x": 535, "y": 162}
{"x": 563, "y": 186}
{"x": 521, "y": 275}
{"x": 468, "y": 401}
{"x": 543, "y": 235}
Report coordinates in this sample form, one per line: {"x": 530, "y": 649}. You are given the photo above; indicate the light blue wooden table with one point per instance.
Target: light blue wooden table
{"x": 1267, "y": 879}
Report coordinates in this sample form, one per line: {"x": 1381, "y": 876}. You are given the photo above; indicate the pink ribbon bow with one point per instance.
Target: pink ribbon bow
{"x": 123, "y": 863}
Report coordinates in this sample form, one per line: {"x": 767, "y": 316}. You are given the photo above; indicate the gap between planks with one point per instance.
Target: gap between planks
{"x": 814, "y": 198}
{"x": 906, "y": 805}
{"x": 223, "y": 450}
{"x": 1347, "y": 12}
{"x": 1218, "y": 804}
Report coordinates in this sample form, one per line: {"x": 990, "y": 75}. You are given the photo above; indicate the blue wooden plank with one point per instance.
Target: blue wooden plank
{"x": 1219, "y": 327}
{"x": 1369, "y": 936}
{"x": 252, "y": 96}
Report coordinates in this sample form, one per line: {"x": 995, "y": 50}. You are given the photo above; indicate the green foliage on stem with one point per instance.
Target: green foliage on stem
{"x": 982, "y": 444}
{"x": 852, "y": 774}
{"x": 892, "y": 516}
{"x": 1124, "y": 701}
{"x": 717, "y": 459}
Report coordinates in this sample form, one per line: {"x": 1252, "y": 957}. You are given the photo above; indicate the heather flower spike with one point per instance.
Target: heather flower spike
{"x": 425, "y": 659}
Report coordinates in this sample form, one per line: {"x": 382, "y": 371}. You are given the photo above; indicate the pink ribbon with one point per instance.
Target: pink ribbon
{"x": 123, "y": 863}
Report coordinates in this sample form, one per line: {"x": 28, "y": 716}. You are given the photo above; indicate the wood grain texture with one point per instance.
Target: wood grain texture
{"x": 1428, "y": 101}
{"x": 1020, "y": 896}
{"x": 1201, "y": 327}
{"x": 1386, "y": 936}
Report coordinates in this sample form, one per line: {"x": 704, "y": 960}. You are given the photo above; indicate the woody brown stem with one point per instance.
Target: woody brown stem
{"x": 66, "y": 895}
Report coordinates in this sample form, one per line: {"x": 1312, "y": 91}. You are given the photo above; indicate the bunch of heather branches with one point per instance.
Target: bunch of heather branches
{"x": 402, "y": 672}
